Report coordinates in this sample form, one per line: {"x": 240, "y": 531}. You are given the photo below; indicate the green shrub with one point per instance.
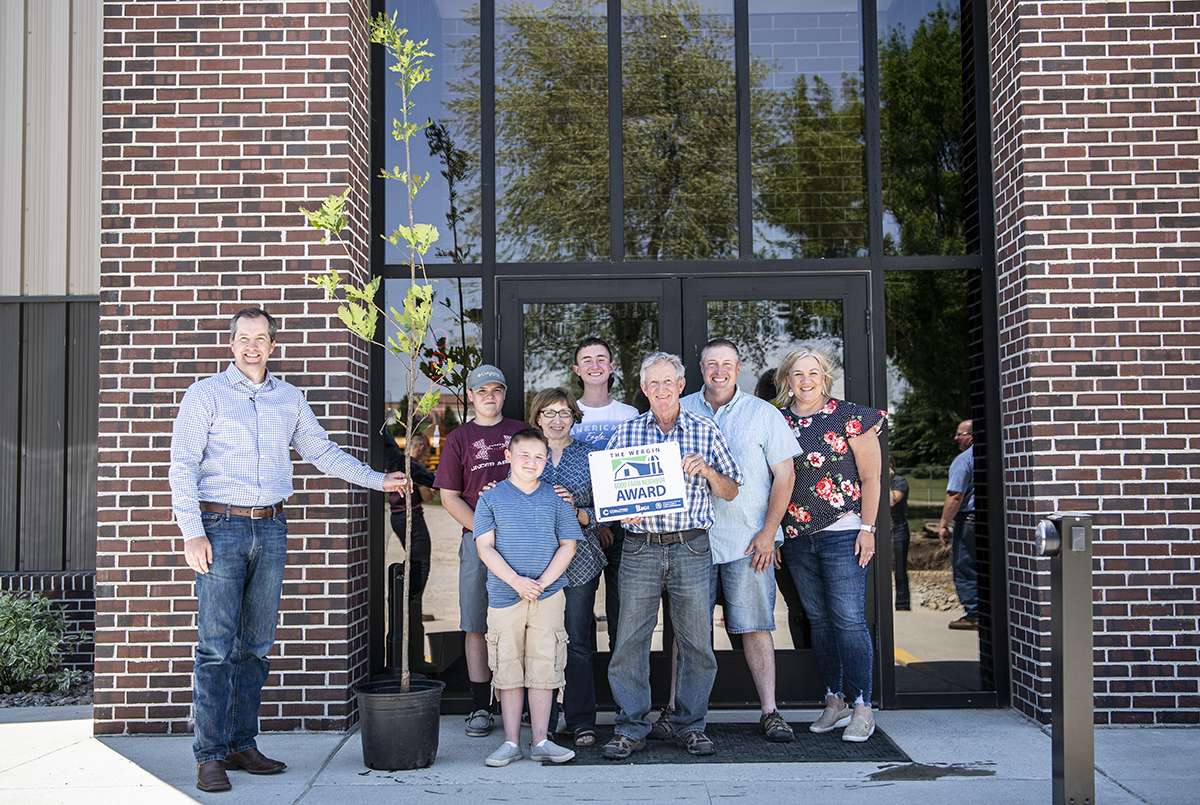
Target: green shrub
{"x": 32, "y": 633}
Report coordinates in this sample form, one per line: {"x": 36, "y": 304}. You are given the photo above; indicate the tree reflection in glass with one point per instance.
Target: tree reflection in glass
{"x": 765, "y": 330}
{"x": 921, "y": 117}
{"x": 552, "y": 132}
{"x": 679, "y": 102}
{"x": 552, "y": 332}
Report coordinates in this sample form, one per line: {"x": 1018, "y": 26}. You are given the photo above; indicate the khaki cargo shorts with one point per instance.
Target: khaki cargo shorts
{"x": 527, "y": 644}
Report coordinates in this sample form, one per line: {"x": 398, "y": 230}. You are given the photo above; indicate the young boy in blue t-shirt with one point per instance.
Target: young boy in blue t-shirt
{"x": 525, "y": 534}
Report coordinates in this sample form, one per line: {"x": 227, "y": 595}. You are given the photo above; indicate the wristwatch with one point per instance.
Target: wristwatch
{"x": 866, "y": 527}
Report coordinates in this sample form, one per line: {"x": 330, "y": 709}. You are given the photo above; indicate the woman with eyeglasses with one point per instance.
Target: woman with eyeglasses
{"x": 553, "y": 412}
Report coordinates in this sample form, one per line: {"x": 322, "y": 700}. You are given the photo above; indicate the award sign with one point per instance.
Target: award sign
{"x": 637, "y": 481}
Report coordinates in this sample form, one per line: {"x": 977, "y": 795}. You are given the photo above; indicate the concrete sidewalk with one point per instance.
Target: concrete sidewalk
{"x": 960, "y": 756}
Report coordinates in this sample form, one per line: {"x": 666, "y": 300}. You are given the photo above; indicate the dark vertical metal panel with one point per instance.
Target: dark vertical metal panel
{"x": 616, "y": 137}
{"x": 10, "y": 430}
{"x": 82, "y": 434}
{"x": 487, "y": 158}
{"x": 990, "y": 335}
{"x": 741, "y": 59}
{"x": 876, "y": 335}
{"x": 43, "y": 433}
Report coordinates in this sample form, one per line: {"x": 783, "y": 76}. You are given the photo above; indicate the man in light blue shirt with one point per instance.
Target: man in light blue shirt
{"x": 746, "y": 530}
{"x": 231, "y": 471}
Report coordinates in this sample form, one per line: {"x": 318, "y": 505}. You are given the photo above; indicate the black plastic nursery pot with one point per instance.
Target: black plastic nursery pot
{"x": 399, "y": 729}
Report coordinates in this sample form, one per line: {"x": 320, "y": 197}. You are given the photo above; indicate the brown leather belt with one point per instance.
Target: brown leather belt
{"x": 673, "y": 537}
{"x": 242, "y": 511}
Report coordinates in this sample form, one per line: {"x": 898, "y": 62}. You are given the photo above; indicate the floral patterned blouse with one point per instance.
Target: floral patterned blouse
{"x": 827, "y": 483}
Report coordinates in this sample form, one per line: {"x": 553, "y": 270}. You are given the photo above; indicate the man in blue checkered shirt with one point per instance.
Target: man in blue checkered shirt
{"x": 231, "y": 471}
{"x": 671, "y": 552}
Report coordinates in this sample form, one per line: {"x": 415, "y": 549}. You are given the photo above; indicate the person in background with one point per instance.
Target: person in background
{"x": 419, "y": 560}
{"x": 900, "y": 535}
{"x": 958, "y": 524}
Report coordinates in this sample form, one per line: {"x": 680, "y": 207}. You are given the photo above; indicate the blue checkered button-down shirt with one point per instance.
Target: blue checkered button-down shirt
{"x": 230, "y": 445}
{"x": 694, "y": 435}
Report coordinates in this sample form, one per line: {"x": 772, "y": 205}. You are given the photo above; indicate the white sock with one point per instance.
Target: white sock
{"x": 543, "y": 741}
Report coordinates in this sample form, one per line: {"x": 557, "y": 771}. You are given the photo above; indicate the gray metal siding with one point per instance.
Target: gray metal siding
{"x": 10, "y": 424}
{"x": 83, "y": 399}
{"x": 43, "y": 435}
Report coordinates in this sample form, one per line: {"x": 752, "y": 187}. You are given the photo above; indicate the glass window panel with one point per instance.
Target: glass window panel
{"x": 929, "y": 389}
{"x": 921, "y": 119}
{"x": 552, "y": 131}
{"x": 807, "y": 129}
{"x": 679, "y": 97}
{"x": 553, "y": 331}
{"x": 457, "y": 334}
{"x": 451, "y": 99}
{"x": 766, "y": 330}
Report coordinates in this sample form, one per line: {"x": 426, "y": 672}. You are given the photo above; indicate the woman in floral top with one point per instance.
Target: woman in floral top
{"x": 553, "y": 412}
{"x": 829, "y": 531}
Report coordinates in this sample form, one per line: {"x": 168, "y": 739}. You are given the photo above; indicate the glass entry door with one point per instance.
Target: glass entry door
{"x": 542, "y": 321}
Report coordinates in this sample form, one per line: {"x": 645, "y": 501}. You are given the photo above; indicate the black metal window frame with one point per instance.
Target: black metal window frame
{"x": 982, "y": 264}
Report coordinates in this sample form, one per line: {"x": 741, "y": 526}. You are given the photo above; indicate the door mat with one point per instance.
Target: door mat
{"x": 744, "y": 743}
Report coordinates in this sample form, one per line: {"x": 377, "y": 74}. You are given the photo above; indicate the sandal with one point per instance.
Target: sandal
{"x": 585, "y": 736}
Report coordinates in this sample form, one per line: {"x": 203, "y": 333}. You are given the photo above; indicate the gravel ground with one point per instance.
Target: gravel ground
{"x": 933, "y": 589}
{"x": 80, "y": 694}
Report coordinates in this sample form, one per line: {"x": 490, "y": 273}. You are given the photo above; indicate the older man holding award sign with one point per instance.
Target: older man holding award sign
{"x": 665, "y": 548}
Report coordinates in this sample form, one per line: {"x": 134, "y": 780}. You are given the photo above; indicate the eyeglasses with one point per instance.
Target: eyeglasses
{"x": 562, "y": 413}
{"x": 964, "y": 433}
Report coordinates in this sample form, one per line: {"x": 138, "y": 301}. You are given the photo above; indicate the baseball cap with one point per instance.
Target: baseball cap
{"x": 483, "y": 374}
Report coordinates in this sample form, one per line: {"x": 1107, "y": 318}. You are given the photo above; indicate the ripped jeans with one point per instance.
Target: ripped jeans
{"x": 833, "y": 589}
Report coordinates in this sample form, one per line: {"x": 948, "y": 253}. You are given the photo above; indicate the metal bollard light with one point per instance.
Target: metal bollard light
{"x": 1067, "y": 540}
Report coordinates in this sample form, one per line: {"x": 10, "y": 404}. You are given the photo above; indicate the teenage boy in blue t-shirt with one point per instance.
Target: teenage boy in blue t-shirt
{"x": 525, "y": 534}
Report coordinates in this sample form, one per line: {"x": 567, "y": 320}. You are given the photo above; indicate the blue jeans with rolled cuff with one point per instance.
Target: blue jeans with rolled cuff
{"x": 833, "y": 589}
{"x": 684, "y": 570}
{"x": 238, "y": 607}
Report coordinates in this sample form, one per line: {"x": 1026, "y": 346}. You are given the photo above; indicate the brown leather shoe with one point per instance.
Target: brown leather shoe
{"x": 254, "y": 762}
{"x": 965, "y": 623}
{"x": 210, "y": 776}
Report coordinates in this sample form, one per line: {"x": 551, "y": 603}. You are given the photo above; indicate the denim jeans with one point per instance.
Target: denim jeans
{"x": 962, "y": 555}
{"x": 684, "y": 570}
{"x": 238, "y": 608}
{"x": 901, "y": 537}
{"x": 612, "y": 591}
{"x": 579, "y": 696}
{"x": 834, "y": 591}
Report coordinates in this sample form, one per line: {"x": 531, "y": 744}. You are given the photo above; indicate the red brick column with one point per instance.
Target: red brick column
{"x": 1098, "y": 237}
{"x": 220, "y": 121}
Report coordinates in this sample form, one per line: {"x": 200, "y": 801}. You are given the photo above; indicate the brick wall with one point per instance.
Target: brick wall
{"x": 73, "y": 594}
{"x": 1098, "y": 243}
{"x": 220, "y": 121}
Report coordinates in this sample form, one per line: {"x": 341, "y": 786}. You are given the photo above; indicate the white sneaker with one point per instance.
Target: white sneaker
{"x": 506, "y": 754}
{"x": 860, "y": 729}
{"x": 831, "y": 719}
{"x": 550, "y": 752}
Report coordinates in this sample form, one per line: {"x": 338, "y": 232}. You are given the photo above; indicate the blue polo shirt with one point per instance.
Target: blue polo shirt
{"x": 758, "y": 437}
